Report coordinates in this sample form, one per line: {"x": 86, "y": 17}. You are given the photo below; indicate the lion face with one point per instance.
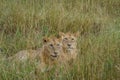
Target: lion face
{"x": 53, "y": 47}
{"x": 69, "y": 41}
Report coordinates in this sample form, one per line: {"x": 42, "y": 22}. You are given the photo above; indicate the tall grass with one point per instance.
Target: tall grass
{"x": 23, "y": 23}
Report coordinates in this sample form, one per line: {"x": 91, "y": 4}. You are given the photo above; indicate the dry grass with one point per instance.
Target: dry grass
{"x": 23, "y": 23}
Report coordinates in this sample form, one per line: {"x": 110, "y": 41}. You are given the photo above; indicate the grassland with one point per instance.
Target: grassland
{"x": 23, "y": 24}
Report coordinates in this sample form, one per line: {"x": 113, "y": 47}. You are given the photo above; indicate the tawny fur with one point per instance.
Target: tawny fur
{"x": 48, "y": 58}
{"x": 69, "y": 41}
{"x": 25, "y": 55}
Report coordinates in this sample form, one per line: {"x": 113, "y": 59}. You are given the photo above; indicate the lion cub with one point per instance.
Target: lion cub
{"x": 50, "y": 54}
{"x": 69, "y": 41}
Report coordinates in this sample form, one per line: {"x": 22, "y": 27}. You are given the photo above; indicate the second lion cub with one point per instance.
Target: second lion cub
{"x": 69, "y": 41}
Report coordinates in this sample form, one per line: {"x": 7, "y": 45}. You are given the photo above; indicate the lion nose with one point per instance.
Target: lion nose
{"x": 69, "y": 44}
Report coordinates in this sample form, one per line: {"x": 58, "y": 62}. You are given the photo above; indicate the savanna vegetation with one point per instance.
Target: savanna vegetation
{"x": 23, "y": 24}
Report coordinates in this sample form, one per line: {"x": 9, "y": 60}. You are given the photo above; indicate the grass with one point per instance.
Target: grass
{"x": 23, "y": 24}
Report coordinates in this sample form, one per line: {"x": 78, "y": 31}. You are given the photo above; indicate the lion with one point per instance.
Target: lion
{"x": 50, "y": 54}
{"x": 69, "y": 41}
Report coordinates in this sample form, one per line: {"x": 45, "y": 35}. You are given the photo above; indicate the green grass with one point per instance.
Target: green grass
{"x": 23, "y": 24}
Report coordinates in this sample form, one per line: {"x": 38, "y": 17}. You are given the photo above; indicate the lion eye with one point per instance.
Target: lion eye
{"x": 51, "y": 45}
{"x": 65, "y": 38}
{"x": 58, "y": 44}
{"x": 72, "y": 38}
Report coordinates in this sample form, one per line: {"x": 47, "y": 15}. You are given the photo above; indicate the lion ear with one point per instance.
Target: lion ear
{"x": 77, "y": 34}
{"x": 61, "y": 34}
{"x": 60, "y": 39}
{"x": 45, "y": 40}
